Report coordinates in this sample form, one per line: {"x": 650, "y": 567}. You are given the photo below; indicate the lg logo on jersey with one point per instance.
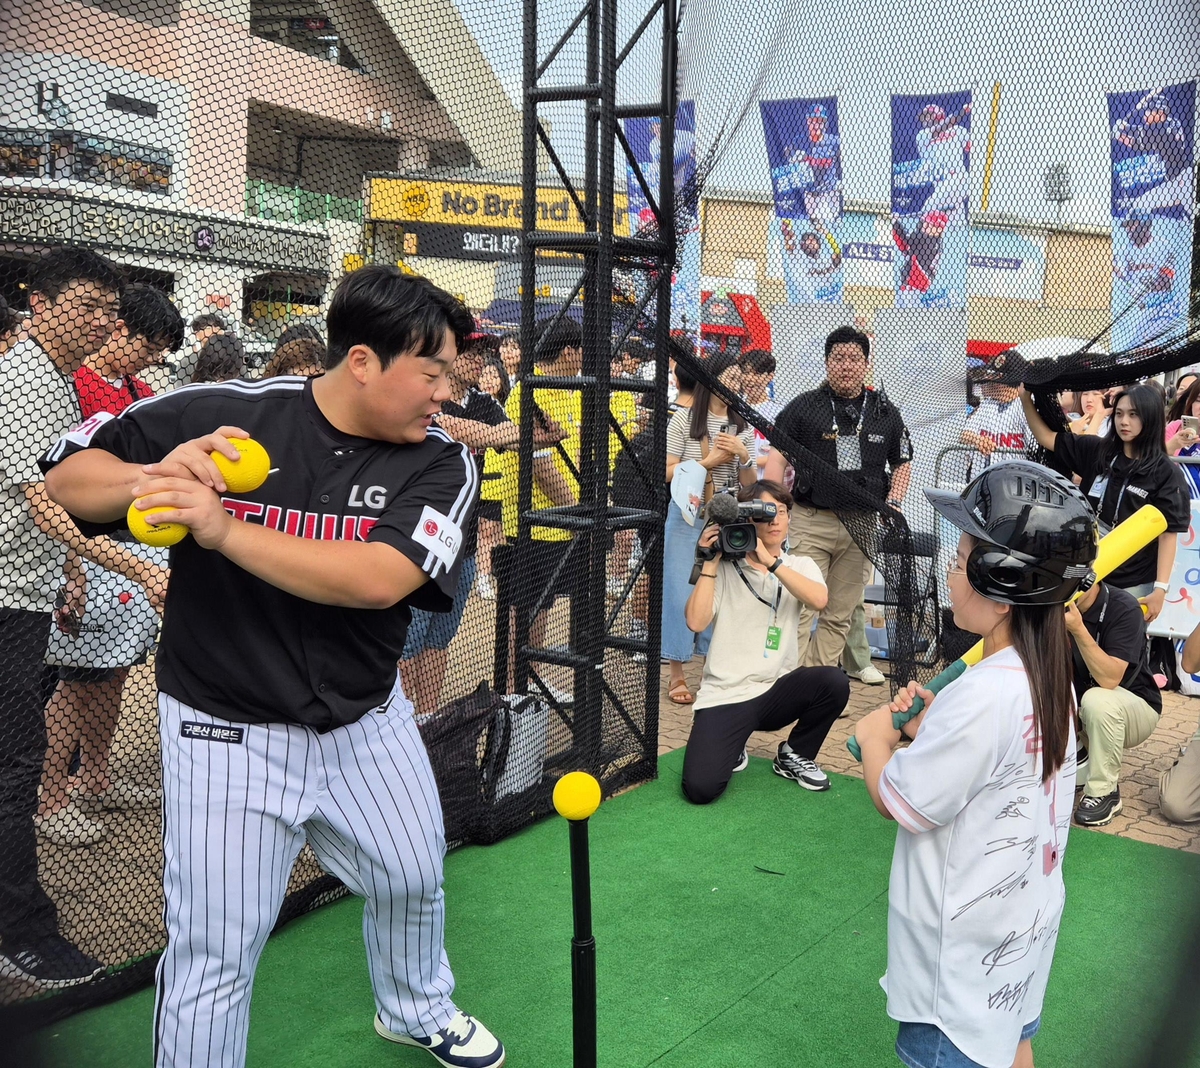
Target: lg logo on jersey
{"x": 375, "y": 497}
{"x": 439, "y": 534}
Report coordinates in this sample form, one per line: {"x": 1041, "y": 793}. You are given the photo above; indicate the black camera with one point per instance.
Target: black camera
{"x": 737, "y": 535}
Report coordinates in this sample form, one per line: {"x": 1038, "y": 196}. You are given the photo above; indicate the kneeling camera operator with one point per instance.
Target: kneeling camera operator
{"x": 752, "y": 592}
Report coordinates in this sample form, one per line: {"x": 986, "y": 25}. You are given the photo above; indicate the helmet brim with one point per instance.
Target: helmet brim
{"x": 950, "y": 505}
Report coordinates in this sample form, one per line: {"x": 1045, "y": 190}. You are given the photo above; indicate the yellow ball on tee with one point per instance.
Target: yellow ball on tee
{"x": 159, "y": 534}
{"x": 248, "y": 473}
{"x": 576, "y": 795}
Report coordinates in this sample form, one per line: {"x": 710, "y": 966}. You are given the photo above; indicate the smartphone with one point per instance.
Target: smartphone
{"x": 1192, "y": 423}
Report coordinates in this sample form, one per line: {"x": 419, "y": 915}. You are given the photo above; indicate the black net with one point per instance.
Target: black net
{"x": 628, "y": 198}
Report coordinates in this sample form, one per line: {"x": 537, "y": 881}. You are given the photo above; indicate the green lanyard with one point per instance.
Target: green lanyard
{"x": 774, "y": 633}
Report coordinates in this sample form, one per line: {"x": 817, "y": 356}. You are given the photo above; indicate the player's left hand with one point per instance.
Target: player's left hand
{"x": 193, "y": 459}
{"x": 196, "y": 506}
{"x": 1154, "y": 604}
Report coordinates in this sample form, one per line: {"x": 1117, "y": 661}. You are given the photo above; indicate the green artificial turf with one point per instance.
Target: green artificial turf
{"x": 751, "y": 932}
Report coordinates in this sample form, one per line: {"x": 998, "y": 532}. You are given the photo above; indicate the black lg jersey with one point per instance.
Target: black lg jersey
{"x": 239, "y": 648}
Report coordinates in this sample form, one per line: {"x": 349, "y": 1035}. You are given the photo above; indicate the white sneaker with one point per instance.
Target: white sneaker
{"x": 485, "y": 587}
{"x": 871, "y": 675}
{"x": 463, "y": 1043}
{"x": 70, "y": 826}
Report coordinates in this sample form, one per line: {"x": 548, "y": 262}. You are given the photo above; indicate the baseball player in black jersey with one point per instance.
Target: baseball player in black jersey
{"x": 282, "y": 718}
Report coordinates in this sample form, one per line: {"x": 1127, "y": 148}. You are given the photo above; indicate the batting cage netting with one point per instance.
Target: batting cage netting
{"x": 679, "y": 222}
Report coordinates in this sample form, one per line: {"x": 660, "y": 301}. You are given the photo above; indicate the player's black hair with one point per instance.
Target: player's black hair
{"x": 393, "y": 314}
{"x": 221, "y": 358}
{"x": 553, "y": 337}
{"x": 757, "y": 361}
{"x": 55, "y": 271}
{"x": 207, "y": 321}
{"x": 148, "y": 312}
{"x": 299, "y": 332}
{"x": 487, "y": 345}
{"x": 847, "y": 335}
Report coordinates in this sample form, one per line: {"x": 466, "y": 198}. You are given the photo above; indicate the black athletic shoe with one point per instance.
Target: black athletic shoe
{"x": 1097, "y": 811}
{"x": 51, "y": 963}
{"x": 743, "y": 762}
{"x": 799, "y": 769}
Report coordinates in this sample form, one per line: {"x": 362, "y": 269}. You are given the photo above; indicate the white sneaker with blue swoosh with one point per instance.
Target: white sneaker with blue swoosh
{"x": 463, "y": 1043}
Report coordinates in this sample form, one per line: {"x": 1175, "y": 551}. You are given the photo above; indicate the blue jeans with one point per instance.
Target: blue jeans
{"x": 922, "y": 1045}
{"x": 679, "y": 553}
{"x": 436, "y": 630}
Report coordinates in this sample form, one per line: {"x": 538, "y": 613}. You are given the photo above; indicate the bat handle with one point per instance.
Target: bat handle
{"x": 935, "y": 686}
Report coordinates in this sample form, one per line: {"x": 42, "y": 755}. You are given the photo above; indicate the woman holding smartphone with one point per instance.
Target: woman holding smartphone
{"x": 723, "y": 445}
{"x": 1122, "y": 472}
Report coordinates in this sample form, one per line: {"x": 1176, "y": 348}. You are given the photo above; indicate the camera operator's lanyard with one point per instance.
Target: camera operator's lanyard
{"x": 849, "y": 453}
{"x": 773, "y": 632}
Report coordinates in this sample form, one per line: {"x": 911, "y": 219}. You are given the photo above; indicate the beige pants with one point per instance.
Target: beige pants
{"x": 820, "y": 535}
{"x": 1115, "y": 720}
{"x": 1179, "y": 786}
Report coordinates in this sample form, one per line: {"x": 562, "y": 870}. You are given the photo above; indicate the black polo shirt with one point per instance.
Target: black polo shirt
{"x": 237, "y": 647}
{"x": 482, "y": 408}
{"x": 1119, "y": 488}
{"x": 1116, "y": 623}
{"x": 883, "y": 443}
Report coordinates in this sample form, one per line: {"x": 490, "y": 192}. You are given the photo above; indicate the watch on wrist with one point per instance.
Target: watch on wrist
{"x": 1164, "y": 586}
{"x": 775, "y": 566}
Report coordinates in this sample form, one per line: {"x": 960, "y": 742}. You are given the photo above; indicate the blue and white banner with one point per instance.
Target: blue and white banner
{"x": 644, "y": 140}
{"x": 805, "y": 153}
{"x": 1153, "y": 197}
{"x": 931, "y": 193}
{"x": 1004, "y": 263}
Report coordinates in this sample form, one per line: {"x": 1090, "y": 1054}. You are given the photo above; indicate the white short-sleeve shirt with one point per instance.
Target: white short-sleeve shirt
{"x": 976, "y": 891}
{"x": 739, "y": 665}
{"x": 38, "y": 404}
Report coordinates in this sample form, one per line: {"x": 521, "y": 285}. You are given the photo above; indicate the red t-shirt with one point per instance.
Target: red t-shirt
{"x": 98, "y": 394}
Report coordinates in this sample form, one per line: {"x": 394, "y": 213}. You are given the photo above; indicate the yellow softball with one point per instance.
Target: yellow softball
{"x": 576, "y": 795}
{"x": 248, "y": 473}
{"x": 159, "y": 534}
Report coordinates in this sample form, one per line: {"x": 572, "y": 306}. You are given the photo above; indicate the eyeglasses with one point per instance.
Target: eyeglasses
{"x": 954, "y": 569}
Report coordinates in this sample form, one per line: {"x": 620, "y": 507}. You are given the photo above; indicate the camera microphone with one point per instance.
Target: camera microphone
{"x": 722, "y": 509}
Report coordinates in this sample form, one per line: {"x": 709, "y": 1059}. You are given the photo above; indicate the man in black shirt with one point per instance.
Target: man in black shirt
{"x": 423, "y": 662}
{"x": 861, "y": 433}
{"x": 1119, "y": 701}
{"x": 282, "y": 719}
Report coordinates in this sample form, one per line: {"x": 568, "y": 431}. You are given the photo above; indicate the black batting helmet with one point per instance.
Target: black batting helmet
{"x": 1036, "y": 533}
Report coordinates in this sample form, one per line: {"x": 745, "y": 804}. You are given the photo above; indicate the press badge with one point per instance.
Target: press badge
{"x": 849, "y": 456}
{"x": 773, "y": 636}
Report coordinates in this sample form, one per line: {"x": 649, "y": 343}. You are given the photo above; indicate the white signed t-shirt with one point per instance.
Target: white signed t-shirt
{"x": 976, "y": 890}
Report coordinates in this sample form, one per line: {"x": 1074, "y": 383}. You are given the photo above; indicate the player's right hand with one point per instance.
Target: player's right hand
{"x": 187, "y": 501}
{"x": 193, "y": 458}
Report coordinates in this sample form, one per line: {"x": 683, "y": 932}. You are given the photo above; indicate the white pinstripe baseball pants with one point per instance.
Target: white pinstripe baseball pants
{"x": 239, "y": 802}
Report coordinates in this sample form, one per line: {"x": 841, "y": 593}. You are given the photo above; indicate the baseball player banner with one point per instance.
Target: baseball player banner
{"x": 805, "y": 154}
{"x": 1153, "y": 197}
{"x": 931, "y": 193}
{"x": 644, "y": 137}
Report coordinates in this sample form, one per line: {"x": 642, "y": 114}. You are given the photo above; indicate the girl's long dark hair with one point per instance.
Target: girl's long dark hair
{"x": 1039, "y": 635}
{"x": 1151, "y": 442}
{"x": 715, "y": 366}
